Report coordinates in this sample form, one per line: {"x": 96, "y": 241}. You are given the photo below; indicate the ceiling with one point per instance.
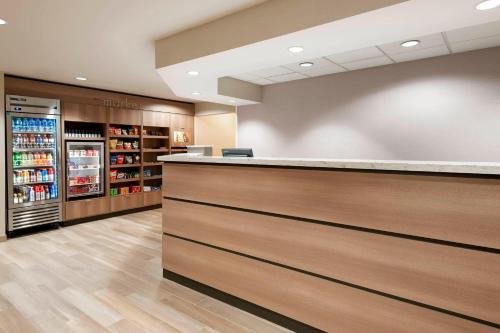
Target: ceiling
{"x": 438, "y": 44}
{"x": 368, "y": 39}
{"x": 110, "y": 42}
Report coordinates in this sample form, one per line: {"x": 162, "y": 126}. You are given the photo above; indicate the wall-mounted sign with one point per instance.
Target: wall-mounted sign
{"x": 121, "y": 104}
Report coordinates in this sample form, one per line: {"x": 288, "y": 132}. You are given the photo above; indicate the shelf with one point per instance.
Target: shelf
{"x": 114, "y": 166}
{"x": 124, "y": 136}
{"x": 34, "y": 183}
{"x": 70, "y": 157}
{"x": 83, "y": 169}
{"x": 152, "y": 163}
{"x": 20, "y": 150}
{"x": 84, "y": 194}
{"x": 154, "y": 150}
{"x": 124, "y": 151}
{"x": 37, "y": 132}
{"x": 33, "y": 166}
{"x": 84, "y": 184}
{"x": 126, "y": 180}
{"x": 71, "y": 138}
{"x": 153, "y": 177}
{"x": 155, "y": 137}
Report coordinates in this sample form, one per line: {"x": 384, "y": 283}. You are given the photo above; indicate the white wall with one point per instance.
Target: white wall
{"x": 445, "y": 108}
{"x": 2, "y": 159}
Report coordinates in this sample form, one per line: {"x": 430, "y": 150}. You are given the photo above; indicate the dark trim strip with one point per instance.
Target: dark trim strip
{"x": 345, "y": 283}
{"x": 346, "y": 226}
{"x": 92, "y": 88}
{"x": 241, "y": 304}
{"x": 107, "y": 215}
{"x": 394, "y": 172}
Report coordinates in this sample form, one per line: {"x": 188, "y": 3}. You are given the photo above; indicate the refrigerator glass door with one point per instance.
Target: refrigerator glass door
{"x": 33, "y": 159}
{"x": 85, "y": 169}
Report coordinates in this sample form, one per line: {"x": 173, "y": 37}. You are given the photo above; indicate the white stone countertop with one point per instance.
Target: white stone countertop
{"x": 486, "y": 168}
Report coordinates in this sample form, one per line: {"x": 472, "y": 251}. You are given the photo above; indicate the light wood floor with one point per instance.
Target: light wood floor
{"x": 105, "y": 276}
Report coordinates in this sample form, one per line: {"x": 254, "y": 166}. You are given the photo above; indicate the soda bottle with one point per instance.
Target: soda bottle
{"x": 25, "y": 126}
{"x": 31, "y": 190}
{"x": 39, "y": 176}
{"x": 24, "y": 159}
{"x": 49, "y": 159}
{"x": 43, "y": 126}
{"x": 53, "y": 191}
{"x": 50, "y": 175}
{"x": 32, "y": 176}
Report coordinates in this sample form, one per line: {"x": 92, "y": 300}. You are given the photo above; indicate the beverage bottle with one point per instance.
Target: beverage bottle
{"x": 32, "y": 193}
{"x": 43, "y": 158}
{"x": 25, "y": 194}
{"x": 37, "y": 193}
{"x": 49, "y": 159}
{"x": 36, "y": 125}
{"x": 45, "y": 140}
{"x": 42, "y": 193}
{"x": 25, "y": 126}
{"x": 50, "y": 175}
{"x": 44, "y": 175}
{"x": 17, "y": 123}
{"x": 53, "y": 191}
{"x": 39, "y": 176}
{"x": 32, "y": 176}
{"x": 43, "y": 126}
{"x": 51, "y": 140}
{"x": 24, "y": 159}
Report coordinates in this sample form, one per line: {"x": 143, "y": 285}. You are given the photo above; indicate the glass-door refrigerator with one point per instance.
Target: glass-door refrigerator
{"x": 84, "y": 169}
{"x": 33, "y": 162}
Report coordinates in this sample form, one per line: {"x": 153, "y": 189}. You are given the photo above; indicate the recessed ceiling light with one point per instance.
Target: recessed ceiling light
{"x": 193, "y": 73}
{"x": 81, "y": 78}
{"x": 196, "y": 93}
{"x": 2, "y": 22}
{"x": 296, "y": 49}
{"x": 488, "y": 4}
{"x": 306, "y": 64}
{"x": 410, "y": 43}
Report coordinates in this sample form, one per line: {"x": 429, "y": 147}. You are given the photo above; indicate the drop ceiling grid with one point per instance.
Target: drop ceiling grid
{"x": 460, "y": 40}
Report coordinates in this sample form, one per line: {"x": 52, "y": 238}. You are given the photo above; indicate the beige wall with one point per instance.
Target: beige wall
{"x": 2, "y": 159}
{"x": 217, "y": 130}
{"x": 444, "y": 108}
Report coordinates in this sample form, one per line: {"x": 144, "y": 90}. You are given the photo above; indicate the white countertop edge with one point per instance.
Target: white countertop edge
{"x": 486, "y": 168}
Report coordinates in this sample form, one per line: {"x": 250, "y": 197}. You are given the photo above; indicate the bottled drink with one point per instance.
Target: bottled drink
{"x": 31, "y": 193}
{"x": 24, "y": 159}
{"x": 32, "y": 176}
{"x": 53, "y": 191}
{"x": 30, "y": 141}
{"x": 36, "y": 125}
{"x": 44, "y": 175}
{"x": 43, "y": 126}
{"x": 39, "y": 176}
{"x": 49, "y": 160}
{"x": 18, "y": 127}
{"x": 25, "y": 127}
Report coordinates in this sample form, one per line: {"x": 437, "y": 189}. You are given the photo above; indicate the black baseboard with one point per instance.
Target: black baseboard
{"x": 105, "y": 216}
{"x": 241, "y": 304}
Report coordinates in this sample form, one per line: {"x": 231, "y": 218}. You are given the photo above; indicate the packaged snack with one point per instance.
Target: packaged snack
{"x": 113, "y": 159}
{"x": 137, "y": 158}
{"x": 112, "y": 174}
{"x": 127, "y": 145}
{"x": 120, "y": 158}
{"x": 129, "y": 160}
{"x": 135, "y": 145}
{"x": 119, "y": 144}
{"x": 121, "y": 175}
{"x": 112, "y": 144}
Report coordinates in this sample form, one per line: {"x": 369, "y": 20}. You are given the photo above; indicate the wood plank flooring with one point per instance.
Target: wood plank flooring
{"x": 105, "y": 276}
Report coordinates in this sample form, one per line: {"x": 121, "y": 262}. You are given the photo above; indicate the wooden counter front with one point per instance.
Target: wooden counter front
{"x": 340, "y": 250}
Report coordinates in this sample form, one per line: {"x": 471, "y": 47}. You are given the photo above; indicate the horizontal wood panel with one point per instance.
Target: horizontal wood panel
{"x": 68, "y": 93}
{"x": 464, "y": 210}
{"x": 84, "y": 112}
{"x": 456, "y": 279}
{"x": 125, "y": 116}
{"x": 87, "y": 207}
{"x": 158, "y": 119}
{"x": 326, "y": 305}
{"x": 152, "y": 198}
{"x": 129, "y": 201}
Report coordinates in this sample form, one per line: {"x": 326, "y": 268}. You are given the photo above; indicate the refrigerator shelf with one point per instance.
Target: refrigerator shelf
{"x": 32, "y": 166}
{"x": 84, "y": 184}
{"x": 33, "y": 132}
{"x": 84, "y": 194}
{"x": 83, "y": 169}
{"x": 23, "y": 150}
{"x": 34, "y": 183}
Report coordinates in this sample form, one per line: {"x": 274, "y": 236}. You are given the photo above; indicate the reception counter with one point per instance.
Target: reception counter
{"x": 338, "y": 245}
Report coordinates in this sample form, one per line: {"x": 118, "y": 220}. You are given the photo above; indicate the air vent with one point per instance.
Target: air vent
{"x": 33, "y": 216}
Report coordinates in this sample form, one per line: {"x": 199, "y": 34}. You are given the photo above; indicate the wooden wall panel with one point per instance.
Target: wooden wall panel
{"x": 320, "y": 303}
{"x": 159, "y": 119}
{"x": 456, "y": 279}
{"x": 458, "y": 209}
{"x": 86, "y": 207}
{"x": 84, "y": 112}
{"x": 68, "y": 93}
{"x": 125, "y": 116}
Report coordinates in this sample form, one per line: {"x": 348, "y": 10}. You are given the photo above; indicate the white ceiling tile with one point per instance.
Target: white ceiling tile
{"x": 474, "y": 32}
{"x": 267, "y": 72}
{"x": 366, "y": 63}
{"x": 369, "y": 52}
{"x": 475, "y": 44}
{"x": 429, "y": 52}
{"x": 425, "y": 42}
{"x": 318, "y": 62}
{"x": 261, "y": 82}
{"x": 245, "y": 77}
{"x": 324, "y": 70}
{"x": 287, "y": 77}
